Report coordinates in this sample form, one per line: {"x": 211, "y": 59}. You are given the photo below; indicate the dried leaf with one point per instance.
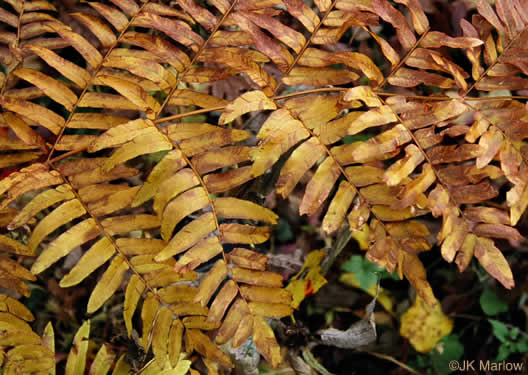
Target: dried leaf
{"x": 493, "y": 261}
{"x": 424, "y": 325}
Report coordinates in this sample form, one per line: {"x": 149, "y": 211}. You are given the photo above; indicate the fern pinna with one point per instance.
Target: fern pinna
{"x": 105, "y": 150}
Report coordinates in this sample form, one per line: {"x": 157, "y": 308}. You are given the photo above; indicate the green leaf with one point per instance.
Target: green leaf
{"x": 492, "y": 304}
{"x": 522, "y": 345}
{"x": 447, "y": 349}
{"x": 500, "y": 331}
{"x": 364, "y": 270}
{"x": 504, "y": 352}
{"x": 514, "y": 333}
{"x": 283, "y": 231}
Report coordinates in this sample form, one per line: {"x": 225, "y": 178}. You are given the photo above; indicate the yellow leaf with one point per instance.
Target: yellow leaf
{"x": 494, "y": 262}
{"x": 243, "y": 234}
{"x": 338, "y": 208}
{"x": 104, "y": 359}
{"x": 424, "y": 325}
{"x": 120, "y": 134}
{"x": 265, "y": 341}
{"x": 121, "y": 367}
{"x": 172, "y": 186}
{"x": 148, "y": 143}
{"x": 233, "y": 208}
{"x": 279, "y": 133}
{"x": 34, "y": 177}
{"x": 244, "y": 330}
{"x": 10, "y": 245}
{"x": 185, "y": 204}
{"x": 175, "y": 344}
{"x": 211, "y": 282}
{"x": 199, "y": 322}
{"x": 248, "y": 259}
{"x": 133, "y": 293}
{"x": 95, "y": 257}
{"x": 188, "y": 236}
{"x": 128, "y": 223}
{"x": 248, "y": 102}
{"x": 40, "y": 202}
{"x": 63, "y": 214}
{"x": 11, "y": 305}
{"x": 238, "y": 310}
{"x": 89, "y": 52}
{"x": 261, "y": 278}
{"x": 200, "y": 342}
{"x": 148, "y": 315}
{"x": 272, "y": 310}
{"x": 170, "y": 164}
{"x": 414, "y": 271}
{"x": 74, "y": 73}
{"x": 36, "y": 113}
{"x": 189, "y": 97}
{"x": 319, "y": 76}
{"x": 222, "y": 301}
{"x": 266, "y": 294}
{"x": 311, "y": 281}
{"x": 299, "y": 162}
{"x": 66, "y": 242}
{"x": 212, "y": 160}
{"x": 404, "y": 167}
{"x": 56, "y": 90}
{"x": 361, "y": 235}
{"x": 319, "y": 186}
{"x": 132, "y": 92}
{"x": 77, "y": 357}
{"x": 202, "y": 252}
{"x": 110, "y": 281}
{"x": 29, "y": 359}
{"x": 48, "y": 341}
{"x": 160, "y": 336}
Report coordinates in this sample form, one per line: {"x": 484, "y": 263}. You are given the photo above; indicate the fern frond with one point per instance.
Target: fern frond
{"x": 23, "y": 351}
{"x": 91, "y": 123}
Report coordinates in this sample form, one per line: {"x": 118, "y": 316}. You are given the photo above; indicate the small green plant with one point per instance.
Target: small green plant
{"x": 437, "y": 360}
{"x": 512, "y": 339}
{"x": 492, "y": 304}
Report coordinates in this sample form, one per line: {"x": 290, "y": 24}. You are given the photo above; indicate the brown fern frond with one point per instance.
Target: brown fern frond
{"x": 149, "y": 199}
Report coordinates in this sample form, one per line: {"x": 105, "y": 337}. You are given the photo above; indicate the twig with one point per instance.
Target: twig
{"x": 391, "y": 359}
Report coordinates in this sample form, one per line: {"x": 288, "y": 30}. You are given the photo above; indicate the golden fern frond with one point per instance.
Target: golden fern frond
{"x": 84, "y": 204}
{"x": 155, "y": 231}
{"x": 178, "y": 193}
{"x": 23, "y": 351}
{"x": 23, "y": 24}
{"x": 86, "y": 355}
{"x": 101, "y": 215}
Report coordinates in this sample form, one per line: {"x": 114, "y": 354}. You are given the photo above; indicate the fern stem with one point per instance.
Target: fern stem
{"x": 92, "y": 77}
{"x": 194, "y": 59}
{"x": 303, "y": 49}
{"x": 66, "y": 155}
{"x": 335, "y": 89}
{"x": 402, "y": 61}
{"x": 16, "y": 43}
{"x": 516, "y": 147}
{"x": 491, "y": 66}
